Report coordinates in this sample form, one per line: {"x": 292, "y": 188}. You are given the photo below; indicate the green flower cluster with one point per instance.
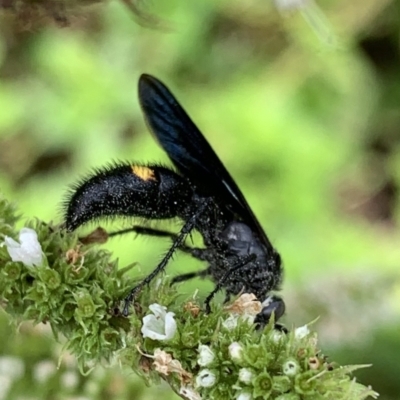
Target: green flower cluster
{"x": 74, "y": 290}
{"x": 247, "y": 364}
{"x": 77, "y": 290}
{"x": 275, "y": 365}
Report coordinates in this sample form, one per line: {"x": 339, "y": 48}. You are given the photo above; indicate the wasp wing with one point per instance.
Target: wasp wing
{"x": 189, "y": 150}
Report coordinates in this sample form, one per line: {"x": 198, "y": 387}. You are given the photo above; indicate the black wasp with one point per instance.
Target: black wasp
{"x": 201, "y": 193}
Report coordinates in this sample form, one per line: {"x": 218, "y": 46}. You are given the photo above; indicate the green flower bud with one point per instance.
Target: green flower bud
{"x": 50, "y": 277}
{"x": 256, "y": 356}
{"x": 282, "y": 384}
{"x": 67, "y": 309}
{"x": 190, "y": 336}
{"x": 36, "y": 292}
{"x": 86, "y": 307}
{"x": 12, "y": 271}
{"x": 109, "y": 335}
{"x": 304, "y": 384}
{"x": 263, "y": 385}
{"x": 14, "y": 296}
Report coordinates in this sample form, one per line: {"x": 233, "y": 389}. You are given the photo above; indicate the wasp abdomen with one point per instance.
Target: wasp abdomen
{"x": 132, "y": 190}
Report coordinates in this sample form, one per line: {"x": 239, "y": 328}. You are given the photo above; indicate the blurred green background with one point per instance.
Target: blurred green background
{"x": 303, "y": 107}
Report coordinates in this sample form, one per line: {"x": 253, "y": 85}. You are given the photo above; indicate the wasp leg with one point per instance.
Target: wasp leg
{"x": 191, "y": 275}
{"x": 180, "y": 238}
{"x": 195, "y": 252}
{"x": 141, "y": 230}
{"x": 221, "y": 283}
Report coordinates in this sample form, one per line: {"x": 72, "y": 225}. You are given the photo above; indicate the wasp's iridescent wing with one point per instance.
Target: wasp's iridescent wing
{"x": 189, "y": 150}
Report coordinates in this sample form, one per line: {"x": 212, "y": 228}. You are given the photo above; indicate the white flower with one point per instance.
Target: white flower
{"x": 231, "y": 322}
{"x": 160, "y": 325}
{"x": 245, "y": 375}
{"x": 44, "y": 370}
{"x": 290, "y": 368}
{"x": 70, "y": 380}
{"x": 205, "y": 378}
{"x": 206, "y": 356}
{"x": 12, "y": 367}
{"x": 244, "y": 396}
{"x": 235, "y": 350}
{"x": 189, "y": 393}
{"x": 302, "y": 332}
{"x": 28, "y": 250}
{"x": 276, "y": 336}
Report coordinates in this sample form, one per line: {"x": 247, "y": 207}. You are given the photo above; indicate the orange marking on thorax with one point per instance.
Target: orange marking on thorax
{"x": 143, "y": 172}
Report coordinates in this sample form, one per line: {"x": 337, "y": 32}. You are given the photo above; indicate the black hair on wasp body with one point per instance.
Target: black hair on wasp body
{"x": 202, "y": 194}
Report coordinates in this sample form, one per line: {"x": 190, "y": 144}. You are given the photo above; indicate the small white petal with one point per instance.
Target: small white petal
{"x": 244, "y": 396}
{"x": 158, "y": 310}
{"x": 291, "y": 368}
{"x": 206, "y": 356}
{"x": 231, "y": 322}
{"x": 235, "y": 350}
{"x": 245, "y": 375}
{"x": 205, "y": 378}
{"x": 28, "y": 250}
{"x": 302, "y": 332}
{"x": 160, "y": 325}
{"x": 249, "y": 318}
{"x": 170, "y": 325}
{"x": 276, "y": 336}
